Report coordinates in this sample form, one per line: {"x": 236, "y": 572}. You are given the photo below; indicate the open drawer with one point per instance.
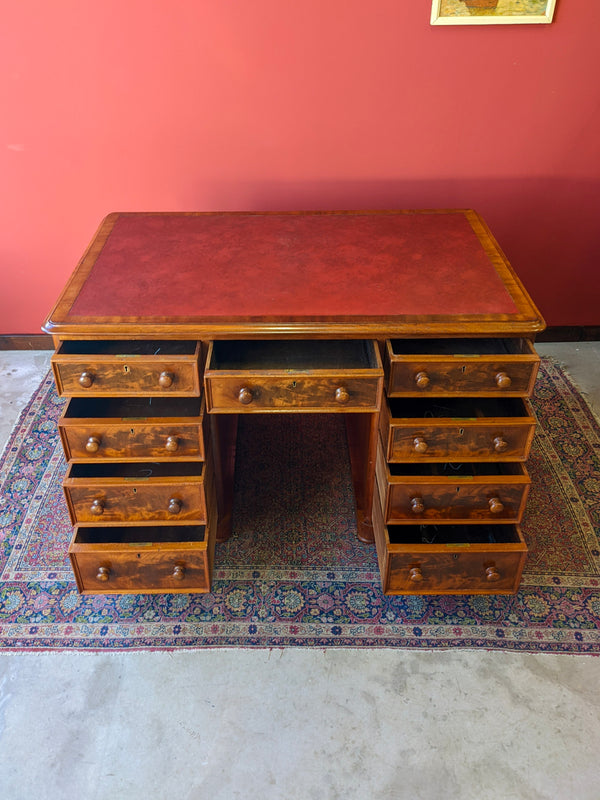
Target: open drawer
{"x": 293, "y": 375}
{"x": 143, "y": 558}
{"x": 145, "y": 429}
{"x": 457, "y": 429}
{"x": 476, "y": 367}
{"x": 167, "y": 492}
{"x": 127, "y": 368}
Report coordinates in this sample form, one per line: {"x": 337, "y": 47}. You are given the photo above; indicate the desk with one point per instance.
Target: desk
{"x": 411, "y": 324}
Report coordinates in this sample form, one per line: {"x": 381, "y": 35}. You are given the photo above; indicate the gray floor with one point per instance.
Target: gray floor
{"x": 298, "y": 724}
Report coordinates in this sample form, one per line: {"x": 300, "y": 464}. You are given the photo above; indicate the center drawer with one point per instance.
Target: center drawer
{"x": 474, "y": 367}
{"x": 451, "y": 493}
{"x": 122, "y": 429}
{"x": 127, "y": 368}
{"x": 144, "y": 558}
{"x": 293, "y": 375}
{"x": 135, "y": 492}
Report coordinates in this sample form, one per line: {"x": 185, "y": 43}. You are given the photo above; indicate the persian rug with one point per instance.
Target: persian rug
{"x": 293, "y": 572}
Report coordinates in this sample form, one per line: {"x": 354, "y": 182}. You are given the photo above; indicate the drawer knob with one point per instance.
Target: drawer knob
{"x": 103, "y": 574}
{"x": 93, "y": 444}
{"x": 165, "y": 380}
{"x": 503, "y": 380}
{"x": 500, "y": 444}
{"x": 417, "y": 506}
{"x": 86, "y": 379}
{"x": 172, "y": 444}
{"x": 342, "y": 395}
{"x": 420, "y": 444}
{"x": 492, "y": 574}
{"x": 496, "y": 505}
{"x": 179, "y": 572}
{"x": 422, "y": 379}
{"x": 245, "y": 395}
{"x": 175, "y": 505}
{"x": 415, "y": 575}
{"x": 97, "y": 508}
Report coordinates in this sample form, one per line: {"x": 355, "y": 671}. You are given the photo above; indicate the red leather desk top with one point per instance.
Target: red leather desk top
{"x": 217, "y": 268}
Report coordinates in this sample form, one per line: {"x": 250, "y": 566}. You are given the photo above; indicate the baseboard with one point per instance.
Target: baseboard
{"x": 564, "y": 333}
{"x": 33, "y": 341}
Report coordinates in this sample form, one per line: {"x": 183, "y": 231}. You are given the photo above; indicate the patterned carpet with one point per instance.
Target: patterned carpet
{"x": 294, "y": 573}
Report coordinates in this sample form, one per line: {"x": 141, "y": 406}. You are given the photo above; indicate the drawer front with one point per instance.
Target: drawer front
{"x": 146, "y": 570}
{"x": 291, "y": 393}
{"x": 130, "y": 439}
{"x": 127, "y": 375}
{"x": 134, "y": 501}
{"x": 511, "y": 375}
{"x": 459, "y": 439}
{"x": 460, "y": 572}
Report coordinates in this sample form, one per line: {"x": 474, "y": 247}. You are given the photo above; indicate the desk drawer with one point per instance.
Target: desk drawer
{"x": 143, "y": 559}
{"x": 316, "y": 375}
{"x": 149, "y": 429}
{"x": 451, "y": 493}
{"x": 457, "y": 429}
{"x": 127, "y": 368}
{"x": 136, "y": 492}
{"x": 461, "y": 559}
{"x": 475, "y": 367}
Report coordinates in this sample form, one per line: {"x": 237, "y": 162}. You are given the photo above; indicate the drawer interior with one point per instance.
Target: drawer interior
{"x": 297, "y": 355}
{"x": 128, "y": 347}
{"x": 467, "y": 408}
{"x": 459, "y": 347}
{"x": 456, "y": 471}
{"x": 132, "y": 407}
{"x": 137, "y": 471}
{"x": 139, "y": 534}
{"x": 453, "y": 534}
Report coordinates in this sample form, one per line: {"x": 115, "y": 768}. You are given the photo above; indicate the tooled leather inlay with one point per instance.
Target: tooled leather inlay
{"x": 156, "y": 265}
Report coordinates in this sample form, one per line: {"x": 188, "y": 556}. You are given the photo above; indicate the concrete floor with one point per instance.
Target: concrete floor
{"x": 298, "y": 724}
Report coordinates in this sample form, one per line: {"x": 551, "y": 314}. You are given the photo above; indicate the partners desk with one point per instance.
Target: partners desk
{"x": 412, "y": 324}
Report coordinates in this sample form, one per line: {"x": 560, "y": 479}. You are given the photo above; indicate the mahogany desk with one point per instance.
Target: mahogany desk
{"x": 411, "y": 324}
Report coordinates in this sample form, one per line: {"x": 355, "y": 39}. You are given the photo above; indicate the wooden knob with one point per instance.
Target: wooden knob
{"x": 342, "y": 395}
{"x": 103, "y": 574}
{"x": 500, "y": 444}
{"x": 165, "y": 379}
{"x": 86, "y": 379}
{"x": 415, "y": 575}
{"x": 496, "y": 505}
{"x": 420, "y": 444}
{"x": 417, "y": 506}
{"x": 245, "y": 395}
{"x": 503, "y": 381}
{"x": 422, "y": 380}
{"x": 492, "y": 574}
{"x": 93, "y": 444}
{"x": 175, "y": 505}
{"x": 172, "y": 444}
{"x": 179, "y": 572}
{"x": 97, "y": 508}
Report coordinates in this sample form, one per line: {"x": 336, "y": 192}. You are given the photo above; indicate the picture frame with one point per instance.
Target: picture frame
{"x": 491, "y": 12}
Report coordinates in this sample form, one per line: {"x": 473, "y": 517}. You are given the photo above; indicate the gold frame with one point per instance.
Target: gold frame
{"x": 490, "y": 19}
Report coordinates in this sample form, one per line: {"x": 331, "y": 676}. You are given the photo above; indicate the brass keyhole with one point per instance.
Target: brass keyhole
{"x": 125, "y": 368}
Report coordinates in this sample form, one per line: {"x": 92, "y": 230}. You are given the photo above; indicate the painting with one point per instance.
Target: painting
{"x": 490, "y": 12}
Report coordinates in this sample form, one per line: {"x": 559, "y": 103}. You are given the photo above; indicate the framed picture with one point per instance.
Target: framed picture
{"x": 491, "y": 12}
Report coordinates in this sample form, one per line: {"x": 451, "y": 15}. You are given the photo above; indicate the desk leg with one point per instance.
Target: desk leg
{"x": 363, "y": 430}
{"x": 224, "y": 436}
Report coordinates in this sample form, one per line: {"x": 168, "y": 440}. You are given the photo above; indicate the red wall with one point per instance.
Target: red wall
{"x": 263, "y": 104}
